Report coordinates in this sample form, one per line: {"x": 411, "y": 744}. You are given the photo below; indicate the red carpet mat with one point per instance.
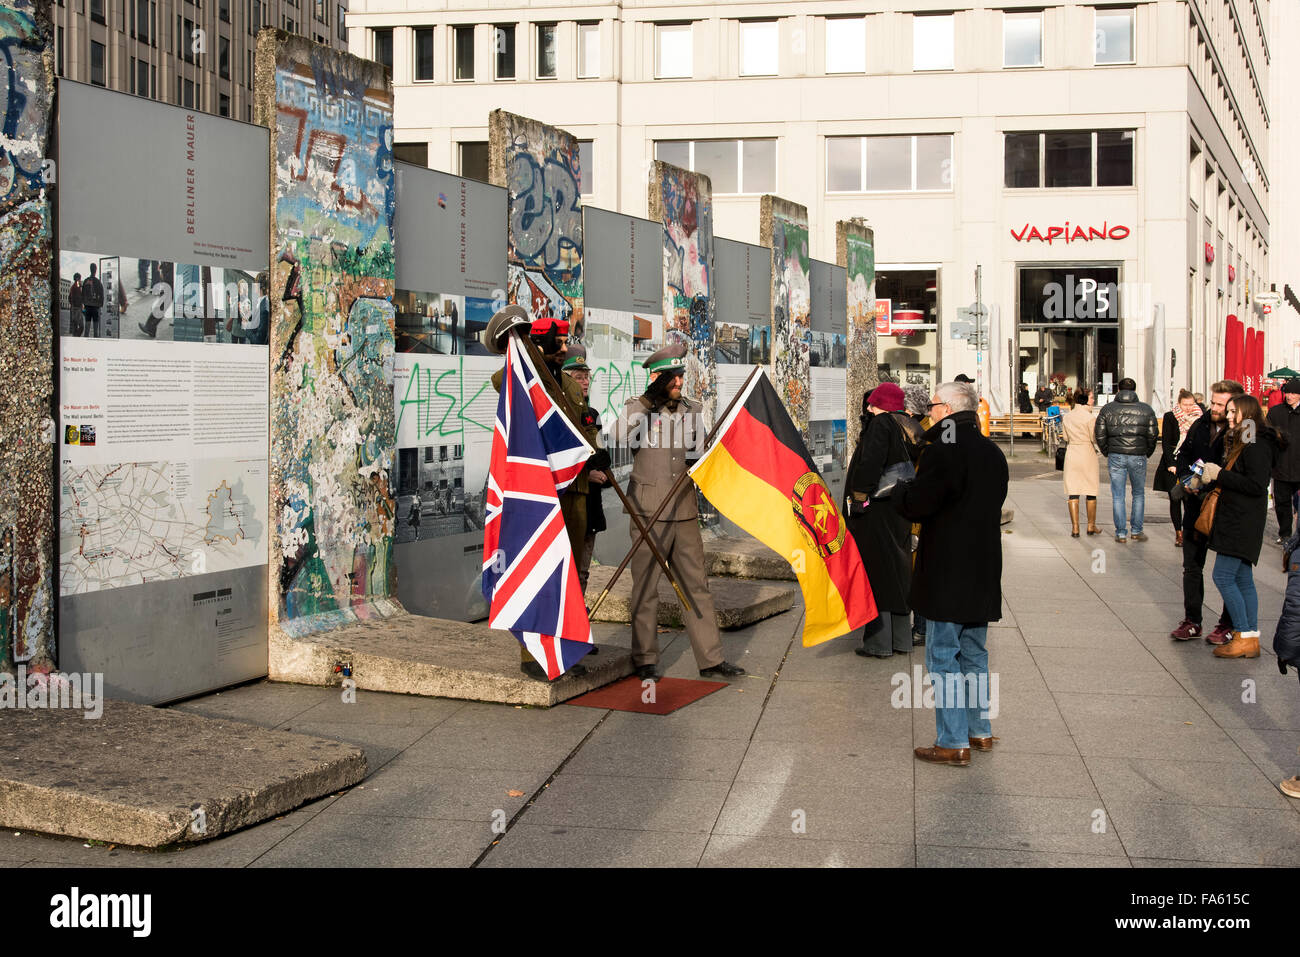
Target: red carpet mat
{"x": 630, "y": 694}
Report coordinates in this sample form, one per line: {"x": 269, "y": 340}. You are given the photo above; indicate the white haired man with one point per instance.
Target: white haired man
{"x": 957, "y": 496}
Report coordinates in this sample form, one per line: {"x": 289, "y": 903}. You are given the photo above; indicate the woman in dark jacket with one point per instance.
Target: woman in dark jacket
{"x": 1250, "y": 449}
{"x": 1173, "y": 430}
{"x": 883, "y": 537}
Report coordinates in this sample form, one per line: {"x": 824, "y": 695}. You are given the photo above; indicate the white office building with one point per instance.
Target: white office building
{"x": 1105, "y": 166}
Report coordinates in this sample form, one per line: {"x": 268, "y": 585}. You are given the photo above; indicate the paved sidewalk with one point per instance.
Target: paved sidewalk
{"x": 1118, "y": 747}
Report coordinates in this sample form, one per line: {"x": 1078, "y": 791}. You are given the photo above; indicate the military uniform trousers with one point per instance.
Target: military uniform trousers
{"x": 681, "y": 545}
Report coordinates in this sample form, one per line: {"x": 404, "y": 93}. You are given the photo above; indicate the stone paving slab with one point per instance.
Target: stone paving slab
{"x": 415, "y": 655}
{"x": 149, "y": 777}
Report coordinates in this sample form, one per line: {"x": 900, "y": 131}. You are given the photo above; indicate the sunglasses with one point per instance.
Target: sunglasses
{"x": 933, "y": 404}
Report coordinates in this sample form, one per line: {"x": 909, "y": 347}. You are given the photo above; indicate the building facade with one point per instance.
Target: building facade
{"x": 1102, "y": 167}
{"x": 192, "y": 53}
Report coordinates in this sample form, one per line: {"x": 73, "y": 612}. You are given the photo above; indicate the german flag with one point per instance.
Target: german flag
{"x": 759, "y": 475}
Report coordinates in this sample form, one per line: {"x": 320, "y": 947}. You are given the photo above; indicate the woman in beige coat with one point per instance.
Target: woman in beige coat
{"x": 1081, "y": 458}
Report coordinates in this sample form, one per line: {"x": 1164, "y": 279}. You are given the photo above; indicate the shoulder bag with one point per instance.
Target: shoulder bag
{"x": 903, "y": 471}
{"x": 1205, "y": 521}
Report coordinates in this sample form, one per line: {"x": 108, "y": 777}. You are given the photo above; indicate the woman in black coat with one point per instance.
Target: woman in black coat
{"x": 1240, "y": 517}
{"x": 883, "y": 537}
{"x": 1173, "y": 430}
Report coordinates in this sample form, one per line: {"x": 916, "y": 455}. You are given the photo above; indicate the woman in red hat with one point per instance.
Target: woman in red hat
{"x": 886, "y": 450}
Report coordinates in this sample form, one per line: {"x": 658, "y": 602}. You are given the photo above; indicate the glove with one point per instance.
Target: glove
{"x": 599, "y": 462}
{"x": 1210, "y": 471}
{"x": 657, "y": 393}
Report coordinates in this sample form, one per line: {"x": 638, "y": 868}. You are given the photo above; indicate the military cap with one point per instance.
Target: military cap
{"x": 542, "y": 326}
{"x": 576, "y": 359}
{"x": 511, "y": 317}
{"x": 668, "y": 359}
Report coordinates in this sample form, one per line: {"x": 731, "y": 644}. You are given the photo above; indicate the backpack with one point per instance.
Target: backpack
{"x": 92, "y": 292}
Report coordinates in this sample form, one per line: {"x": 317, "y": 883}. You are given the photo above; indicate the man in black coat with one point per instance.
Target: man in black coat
{"x": 1285, "y": 417}
{"x": 957, "y": 496}
{"x": 1204, "y": 443}
{"x": 1127, "y": 433}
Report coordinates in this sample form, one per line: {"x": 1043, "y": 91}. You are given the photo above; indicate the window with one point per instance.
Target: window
{"x": 846, "y": 45}
{"x": 1022, "y": 39}
{"x": 505, "y": 48}
{"x": 1068, "y": 158}
{"x": 1113, "y": 36}
{"x": 342, "y": 28}
{"x": 139, "y": 77}
{"x": 588, "y": 50}
{"x": 894, "y": 164}
{"x": 223, "y": 10}
{"x": 932, "y": 42}
{"x": 384, "y": 47}
{"x": 672, "y": 50}
{"x": 464, "y": 51}
{"x": 58, "y": 60}
{"x": 185, "y": 90}
{"x": 474, "y": 160}
{"x": 424, "y": 53}
{"x": 1020, "y": 160}
{"x": 254, "y": 16}
{"x": 248, "y": 70}
{"x": 141, "y": 21}
{"x": 586, "y": 172}
{"x": 416, "y": 153}
{"x": 97, "y": 11}
{"x": 319, "y": 9}
{"x": 546, "y": 51}
{"x": 733, "y": 166}
{"x": 223, "y": 57}
{"x": 223, "y": 104}
{"x": 1115, "y": 158}
{"x": 185, "y": 39}
{"x": 97, "y": 63}
{"x": 759, "y": 41}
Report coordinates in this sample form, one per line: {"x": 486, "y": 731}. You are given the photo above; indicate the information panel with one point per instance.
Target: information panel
{"x": 742, "y": 312}
{"x": 163, "y": 323}
{"x": 828, "y": 359}
{"x": 451, "y": 278}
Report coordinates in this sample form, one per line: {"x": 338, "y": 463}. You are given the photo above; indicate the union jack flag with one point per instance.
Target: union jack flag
{"x": 529, "y": 577}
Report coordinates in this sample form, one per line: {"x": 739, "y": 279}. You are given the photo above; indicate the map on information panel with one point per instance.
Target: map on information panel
{"x": 128, "y": 523}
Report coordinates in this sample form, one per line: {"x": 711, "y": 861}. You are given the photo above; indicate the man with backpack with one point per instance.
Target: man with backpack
{"x": 92, "y": 299}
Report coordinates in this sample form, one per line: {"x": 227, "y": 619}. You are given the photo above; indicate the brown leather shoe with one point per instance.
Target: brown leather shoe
{"x": 984, "y": 744}
{"x": 959, "y": 757}
{"x": 1239, "y": 647}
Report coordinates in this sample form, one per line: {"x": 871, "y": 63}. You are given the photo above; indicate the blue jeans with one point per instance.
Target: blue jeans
{"x": 957, "y": 659}
{"x": 1235, "y": 580}
{"x": 1132, "y": 468}
{"x": 918, "y": 623}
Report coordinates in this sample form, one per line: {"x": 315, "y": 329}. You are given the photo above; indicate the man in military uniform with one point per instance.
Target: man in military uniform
{"x": 663, "y": 428}
{"x": 575, "y": 366}
{"x": 547, "y": 346}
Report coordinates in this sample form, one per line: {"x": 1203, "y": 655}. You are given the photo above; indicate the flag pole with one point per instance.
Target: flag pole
{"x": 659, "y": 556}
{"x": 672, "y": 494}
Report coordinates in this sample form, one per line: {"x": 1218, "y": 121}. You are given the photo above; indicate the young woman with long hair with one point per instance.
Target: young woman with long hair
{"x": 1250, "y": 449}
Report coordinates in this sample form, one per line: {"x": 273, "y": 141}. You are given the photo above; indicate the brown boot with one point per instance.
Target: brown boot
{"x": 1092, "y": 517}
{"x": 1074, "y": 517}
{"x": 1239, "y": 647}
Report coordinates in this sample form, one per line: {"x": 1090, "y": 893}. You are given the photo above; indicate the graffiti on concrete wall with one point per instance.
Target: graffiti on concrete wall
{"x": 784, "y": 228}
{"x": 539, "y": 166}
{"x": 855, "y": 251}
{"x": 683, "y": 202}
{"x": 332, "y": 430}
{"x": 26, "y": 429}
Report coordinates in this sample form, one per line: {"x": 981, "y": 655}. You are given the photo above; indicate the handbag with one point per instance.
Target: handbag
{"x": 903, "y": 471}
{"x": 1205, "y": 521}
{"x": 1060, "y": 458}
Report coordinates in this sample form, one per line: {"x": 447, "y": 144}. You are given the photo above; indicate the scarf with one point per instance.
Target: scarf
{"x": 1185, "y": 419}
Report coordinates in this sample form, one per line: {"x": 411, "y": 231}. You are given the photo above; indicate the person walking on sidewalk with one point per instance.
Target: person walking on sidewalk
{"x": 1080, "y": 461}
{"x": 1285, "y": 417}
{"x": 957, "y": 497}
{"x": 1251, "y": 449}
{"x": 1204, "y": 443}
{"x": 1127, "y": 434}
{"x": 1173, "y": 432}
